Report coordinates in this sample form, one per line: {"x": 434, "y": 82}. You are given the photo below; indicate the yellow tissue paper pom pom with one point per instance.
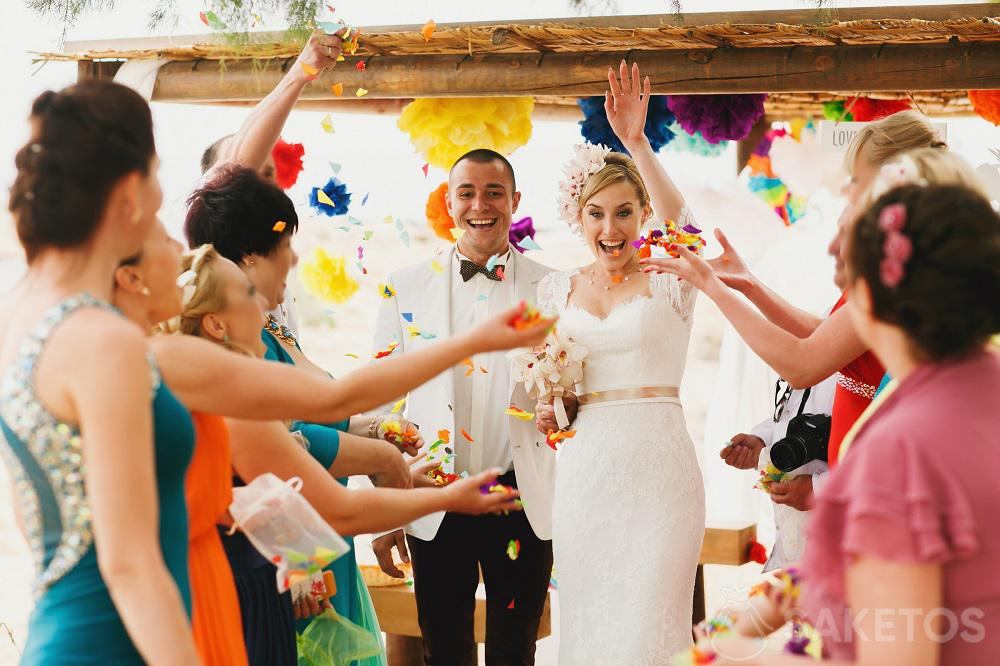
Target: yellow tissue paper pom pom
{"x": 326, "y": 278}
{"x": 444, "y": 129}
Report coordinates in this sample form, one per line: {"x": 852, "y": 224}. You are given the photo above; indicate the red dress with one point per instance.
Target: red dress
{"x": 856, "y": 385}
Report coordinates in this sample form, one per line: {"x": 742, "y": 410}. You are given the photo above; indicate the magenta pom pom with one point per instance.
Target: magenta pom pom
{"x": 718, "y": 117}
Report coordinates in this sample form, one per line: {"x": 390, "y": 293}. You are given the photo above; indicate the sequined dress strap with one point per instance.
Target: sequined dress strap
{"x": 45, "y": 458}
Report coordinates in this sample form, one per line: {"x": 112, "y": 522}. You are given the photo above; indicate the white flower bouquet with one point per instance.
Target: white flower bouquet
{"x": 550, "y": 371}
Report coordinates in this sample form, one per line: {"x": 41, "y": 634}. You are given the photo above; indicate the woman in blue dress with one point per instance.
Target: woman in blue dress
{"x": 96, "y": 445}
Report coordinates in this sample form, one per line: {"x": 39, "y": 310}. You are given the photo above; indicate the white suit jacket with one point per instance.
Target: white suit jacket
{"x": 426, "y": 293}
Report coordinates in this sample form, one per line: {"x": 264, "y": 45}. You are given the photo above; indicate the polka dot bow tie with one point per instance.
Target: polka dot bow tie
{"x": 469, "y": 268}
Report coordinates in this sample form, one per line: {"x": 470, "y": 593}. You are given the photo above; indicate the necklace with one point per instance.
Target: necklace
{"x": 280, "y": 331}
{"x": 615, "y": 279}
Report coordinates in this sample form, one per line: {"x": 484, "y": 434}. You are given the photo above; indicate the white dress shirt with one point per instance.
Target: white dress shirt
{"x": 789, "y": 523}
{"x": 482, "y": 397}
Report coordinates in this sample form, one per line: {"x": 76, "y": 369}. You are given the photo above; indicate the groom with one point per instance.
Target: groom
{"x": 441, "y": 296}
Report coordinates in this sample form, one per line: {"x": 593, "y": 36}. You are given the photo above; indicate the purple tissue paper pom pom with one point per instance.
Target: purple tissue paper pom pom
{"x": 718, "y": 117}
{"x": 523, "y": 228}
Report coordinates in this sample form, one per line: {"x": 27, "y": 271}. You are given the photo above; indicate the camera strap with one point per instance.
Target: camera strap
{"x": 805, "y": 397}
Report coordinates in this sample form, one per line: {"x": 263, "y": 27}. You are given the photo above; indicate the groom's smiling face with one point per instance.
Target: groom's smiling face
{"x": 482, "y": 202}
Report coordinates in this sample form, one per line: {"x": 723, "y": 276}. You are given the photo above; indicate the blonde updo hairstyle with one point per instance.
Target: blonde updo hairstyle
{"x": 884, "y": 139}
{"x": 934, "y": 166}
{"x": 208, "y": 296}
{"x": 618, "y": 168}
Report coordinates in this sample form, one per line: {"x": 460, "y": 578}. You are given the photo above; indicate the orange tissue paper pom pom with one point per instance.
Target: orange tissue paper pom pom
{"x": 987, "y": 104}
{"x": 437, "y": 214}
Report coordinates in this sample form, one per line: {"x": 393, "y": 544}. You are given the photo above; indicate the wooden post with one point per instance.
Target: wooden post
{"x": 867, "y": 68}
{"x": 746, "y": 145}
{"x": 698, "y": 610}
{"x": 102, "y": 70}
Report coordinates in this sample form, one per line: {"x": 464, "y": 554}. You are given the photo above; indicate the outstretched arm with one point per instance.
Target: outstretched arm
{"x": 260, "y": 447}
{"x": 260, "y": 131}
{"x": 803, "y": 362}
{"x": 626, "y": 105}
{"x": 264, "y": 390}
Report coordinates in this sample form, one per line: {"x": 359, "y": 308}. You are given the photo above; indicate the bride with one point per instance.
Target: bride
{"x": 629, "y": 508}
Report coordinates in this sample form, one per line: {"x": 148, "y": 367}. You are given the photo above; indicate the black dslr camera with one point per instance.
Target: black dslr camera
{"x": 806, "y": 440}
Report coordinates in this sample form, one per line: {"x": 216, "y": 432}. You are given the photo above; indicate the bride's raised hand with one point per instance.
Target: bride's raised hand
{"x": 687, "y": 266}
{"x": 729, "y": 266}
{"x": 626, "y": 103}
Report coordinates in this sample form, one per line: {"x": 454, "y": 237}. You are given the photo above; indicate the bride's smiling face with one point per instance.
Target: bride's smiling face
{"x": 612, "y": 219}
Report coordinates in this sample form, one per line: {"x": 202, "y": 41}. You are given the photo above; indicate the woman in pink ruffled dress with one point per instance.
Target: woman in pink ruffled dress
{"x": 901, "y": 562}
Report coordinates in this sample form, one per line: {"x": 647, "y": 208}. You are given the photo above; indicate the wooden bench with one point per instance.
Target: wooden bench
{"x": 396, "y": 606}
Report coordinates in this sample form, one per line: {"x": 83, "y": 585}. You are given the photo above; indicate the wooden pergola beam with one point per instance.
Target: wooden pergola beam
{"x": 910, "y": 67}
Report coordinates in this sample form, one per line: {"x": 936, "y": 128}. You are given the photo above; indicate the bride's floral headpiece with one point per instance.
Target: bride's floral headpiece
{"x": 588, "y": 159}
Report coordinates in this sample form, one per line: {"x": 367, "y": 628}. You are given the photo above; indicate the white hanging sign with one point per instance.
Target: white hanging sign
{"x": 836, "y": 137}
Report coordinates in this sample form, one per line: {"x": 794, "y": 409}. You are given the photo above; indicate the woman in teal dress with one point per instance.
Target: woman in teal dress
{"x": 100, "y": 500}
{"x": 352, "y": 599}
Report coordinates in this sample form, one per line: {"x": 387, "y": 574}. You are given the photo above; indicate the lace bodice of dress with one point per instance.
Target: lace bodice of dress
{"x": 642, "y": 342}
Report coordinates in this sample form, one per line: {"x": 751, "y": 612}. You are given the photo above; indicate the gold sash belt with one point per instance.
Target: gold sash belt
{"x": 638, "y": 393}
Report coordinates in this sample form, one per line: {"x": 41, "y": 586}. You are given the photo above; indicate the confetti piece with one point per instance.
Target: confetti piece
{"x": 444, "y": 435}
{"x": 361, "y": 252}
{"x": 482, "y": 297}
{"x": 428, "y": 30}
{"x": 557, "y": 436}
{"x": 511, "y": 606}
{"x": 500, "y": 273}
{"x": 388, "y": 350}
{"x": 492, "y": 261}
{"x": 513, "y": 549}
{"x": 483, "y": 370}
{"x": 386, "y": 290}
{"x": 469, "y": 367}
{"x": 323, "y": 197}
{"x": 519, "y": 413}
{"x": 457, "y": 233}
{"x": 528, "y": 243}
{"x": 398, "y": 407}
{"x": 354, "y": 356}
{"x": 361, "y": 92}
{"x": 414, "y": 331}
{"x": 408, "y": 316}
{"x": 427, "y": 336}
{"x": 309, "y": 69}
{"x": 334, "y": 166}
{"x": 424, "y": 168}
{"x": 203, "y": 17}
{"x": 437, "y": 267}
{"x": 338, "y": 90}
{"x": 399, "y": 224}
{"x": 327, "y": 122}
{"x": 279, "y": 226}
{"x": 405, "y": 237}
{"x": 369, "y": 234}
{"x": 387, "y": 219}
{"x": 365, "y": 199}
{"x": 212, "y": 20}
{"x": 355, "y": 221}
{"x": 467, "y": 436}
{"x": 360, "y": 66}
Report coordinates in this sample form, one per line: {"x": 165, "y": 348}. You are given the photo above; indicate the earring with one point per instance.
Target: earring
{"x": 144, "y": 291}
{"x": 136, "y": 216}
{"x": 225, "y": 338}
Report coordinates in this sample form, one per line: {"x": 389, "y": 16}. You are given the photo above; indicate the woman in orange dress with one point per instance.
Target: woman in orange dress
{"x": 218, "y": 629}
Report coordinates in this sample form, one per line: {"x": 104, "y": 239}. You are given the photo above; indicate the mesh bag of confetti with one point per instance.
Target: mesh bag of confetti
{"x": 333, "y": 640}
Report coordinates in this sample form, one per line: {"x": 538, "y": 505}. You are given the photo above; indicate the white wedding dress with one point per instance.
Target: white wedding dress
{"x": 629, "y": 508}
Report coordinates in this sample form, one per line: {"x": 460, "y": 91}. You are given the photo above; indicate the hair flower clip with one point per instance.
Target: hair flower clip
{"x": 897, "y": 247}
{"x": 587, "y": 160}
